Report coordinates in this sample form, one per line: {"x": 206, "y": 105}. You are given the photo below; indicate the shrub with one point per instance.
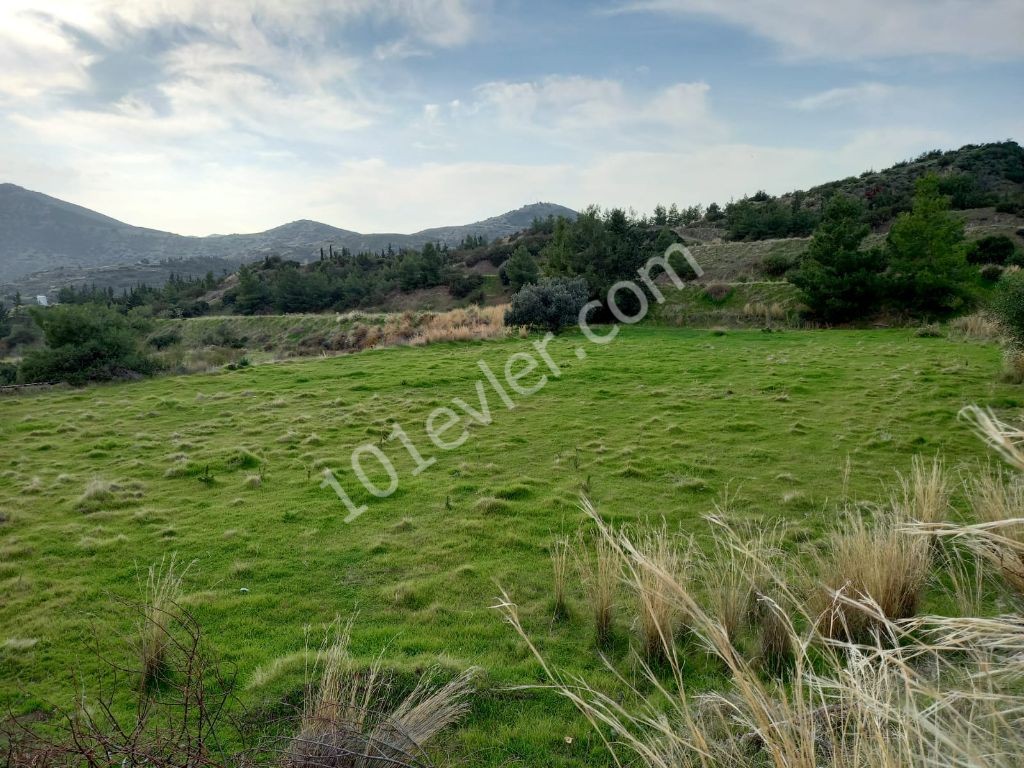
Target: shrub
{"x": 8, "y": 374}
{"x": 1008, "y": 304}
{"x": 521, "y": 269}
{"x": 549, "y": 305}
{"x": 461, "y": 285}
{"x": 992, "y": 249}
{"x": 718, "y": 292}
{"x": 164, "y": 337}
{"x": 777, "y": 264}
{"x": 84, "y": 343}
{"x": 991, "y": 273}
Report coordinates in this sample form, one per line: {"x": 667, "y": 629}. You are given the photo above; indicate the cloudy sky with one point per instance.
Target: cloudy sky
{"x": 202, "y": 116}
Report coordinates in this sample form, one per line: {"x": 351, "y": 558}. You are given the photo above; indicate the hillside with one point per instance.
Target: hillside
{"x": 58, "y": 243}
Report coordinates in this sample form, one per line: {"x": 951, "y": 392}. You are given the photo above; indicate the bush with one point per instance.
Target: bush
{"x": 164, "y": 338}
{"x": 777, "y": 265}
{"x": 460, "y": 286}
{"x": 8, "y": 374}
{"x": 991, "y": 273}
{"x": 84, "y": 343}
{"x": 1008, "y": 304}
{"x": 718, "y": 292}
{"x": 549, "y": 305}
{"x": 993, "y": 249}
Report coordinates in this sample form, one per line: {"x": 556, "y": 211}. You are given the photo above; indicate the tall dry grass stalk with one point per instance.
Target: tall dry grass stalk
{"x": 561, "y": 552}
{"x": 881, "y": 564}
{"x": 163, "y": 591}
{"x": 349, "y": 720}
{"x": 658, "y": 618}
{"x": 844, "y": 704}
{"x": 734, "y": 572}
{"x": 924, "y": 493}
{"x": 598, "y": 564}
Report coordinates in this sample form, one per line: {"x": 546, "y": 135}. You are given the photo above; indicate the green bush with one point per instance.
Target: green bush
{"x": 461, "y": 285}
{"x": 520, "y": 269}
{"x": 777, "y": 264}
{"x": 84, "y": 343}
{"x": 8, "y": 374}
{"x": 1008, "y": 304}
{"x": 991, "y": 273}
{"x": 164, "y": 338}
{"x": 549, "y": 305}
{"x": 992, "y": 249}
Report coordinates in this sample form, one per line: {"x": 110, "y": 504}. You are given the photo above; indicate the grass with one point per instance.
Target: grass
{"x": 772, "y": 419}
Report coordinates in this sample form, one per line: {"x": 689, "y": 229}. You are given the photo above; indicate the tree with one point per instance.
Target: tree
{"x": 713, "y": 213}
{"x": 84, "y": 343}
{"x": 520, "y": 269}
{"x": 5, "y": 321}
{"x": 550, "y": 305}
{"x": 660, "y": 215}
{"x": 252, "y": 295}
{"x": 838, "y": 280}
{"x": 928, "y": 267}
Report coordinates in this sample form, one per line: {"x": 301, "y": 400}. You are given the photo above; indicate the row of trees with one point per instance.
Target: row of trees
{"x": 922, "y": 269}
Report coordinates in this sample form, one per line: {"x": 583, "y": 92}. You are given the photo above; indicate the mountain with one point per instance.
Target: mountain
{"x": 41, "y": 234}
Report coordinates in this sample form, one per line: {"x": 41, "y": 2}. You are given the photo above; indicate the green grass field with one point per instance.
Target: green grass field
{"x": 662, "y": 422}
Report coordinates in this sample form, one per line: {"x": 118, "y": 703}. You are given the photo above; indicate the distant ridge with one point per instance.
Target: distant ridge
{"x": 39, "y": 233}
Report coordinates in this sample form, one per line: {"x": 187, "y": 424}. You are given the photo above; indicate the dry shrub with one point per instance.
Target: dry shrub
{"x": 1013, "y": 365}
{"x": 350, "y": 720}
{"x": 882, "y": 565}
{"x": 976, "y": 327}
{"x": 599, "y": 571}
{"x": 162, "y": 593}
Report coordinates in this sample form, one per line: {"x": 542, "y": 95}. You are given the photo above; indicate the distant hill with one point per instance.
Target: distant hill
{"x": 56, "y": 241}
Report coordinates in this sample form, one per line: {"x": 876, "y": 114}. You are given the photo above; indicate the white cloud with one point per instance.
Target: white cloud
{"x": 861, "y": 95}
{"x": 580, "y": 110}
{"x": 855, "y": 29}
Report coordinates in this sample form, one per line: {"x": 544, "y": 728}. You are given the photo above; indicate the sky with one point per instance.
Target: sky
{"x": 217, "y": 116}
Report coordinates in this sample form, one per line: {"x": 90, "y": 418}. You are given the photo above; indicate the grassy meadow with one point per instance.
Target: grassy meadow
{"x": 223, "y": 469}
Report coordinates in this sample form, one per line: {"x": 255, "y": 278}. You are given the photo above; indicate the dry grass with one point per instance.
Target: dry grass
{"x": 349, "y": 720}
{"x": 659, "y": 620}
{"x": 163, "y": 592}
{"x": 924, "y": 493}
{"x": 735, "y": 574}
{"x": 976, "y": 327}
{"x": 599, "y": 571}
{"x": 561, "y": 550}
{"x": 881, "y": 564}
{"x": 998, "y": 503}
{"x": 842, "y": 704}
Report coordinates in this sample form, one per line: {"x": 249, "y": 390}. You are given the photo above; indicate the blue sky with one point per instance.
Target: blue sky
{"x": 395, "y": 115}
